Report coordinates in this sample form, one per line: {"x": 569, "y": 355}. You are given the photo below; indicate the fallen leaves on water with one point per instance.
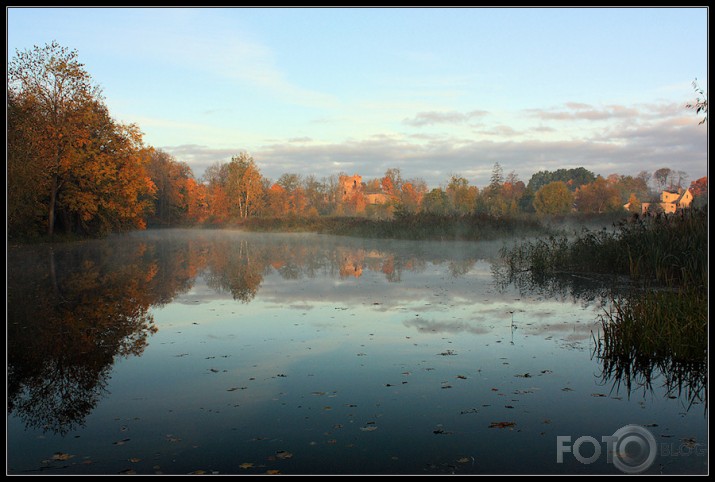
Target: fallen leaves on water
{"x": 121, "y": 442}
{"x": 134, "y": 460}
{"x": 525, "y": 375}
{"x": 465, "y": 460}
{"x": 198, "y": 472}
{"x": 273, "y": 472}
{"x": 127, "y": 472}
{"x": 369, "y": 428}
{"x": 61, "y": 456}
{"x": 461, "y": 377}
{"x": 447, "y": 353}
{"x": 689, "y": 442}
{"x": 283, "y": 455}
{"x": 599, "y": 395}
{"x": 246, "y": 465}
{"x": 502, "y": 424}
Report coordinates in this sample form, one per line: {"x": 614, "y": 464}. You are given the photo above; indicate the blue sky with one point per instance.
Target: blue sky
{"x": 431, "y": 91}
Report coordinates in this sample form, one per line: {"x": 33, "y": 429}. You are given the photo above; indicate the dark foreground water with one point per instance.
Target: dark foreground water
{"x": 181, "y": 352}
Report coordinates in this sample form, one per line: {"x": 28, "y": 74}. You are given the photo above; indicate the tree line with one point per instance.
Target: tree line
{"x": 72, "y": 168}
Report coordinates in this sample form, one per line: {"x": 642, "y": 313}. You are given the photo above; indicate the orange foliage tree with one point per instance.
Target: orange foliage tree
{"x": 86, "y": 172}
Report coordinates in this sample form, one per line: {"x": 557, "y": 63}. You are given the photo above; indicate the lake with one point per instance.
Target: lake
{"x": 226, "y": 352}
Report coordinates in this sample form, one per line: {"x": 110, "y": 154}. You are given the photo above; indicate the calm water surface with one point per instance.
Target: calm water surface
{"x": 224, "y": 352}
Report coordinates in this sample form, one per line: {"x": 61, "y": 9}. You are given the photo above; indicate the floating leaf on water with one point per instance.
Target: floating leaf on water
{"x": 327, "y": 407}
{"x": 281, "y": 375}
{"x": 447, "y": 353}
{"x": 567, "y": 389}
{"x": 213, "y": 370}
{"x": 61, "y": 456}
{"x": 246, "y": 465}
{"x": 273, "y": 472}
{"x": 502, "y": 424}
{"x": 461, "y": 377}
{"x": 446, "y": 386}
{"x": 464, "y": 460}
{"x": 121, "y": 442}
{"x": 332, "y": 441}
{"x": 689, "y": 442}
{"x": 544, "y": 372}
{"x": 369, "y": 428}
{"x": 134, "y": 460}
{"x": 197, "y": 472}
{"x": 469, "y": 410}
{"x": 318, "y": 393}
{"x": 599, "y": 395}
{"x": 127, "y": 472}
{"x": 283, "y": 454}
{"x": 508, "y": 406}
{"x": 525, "y": 375}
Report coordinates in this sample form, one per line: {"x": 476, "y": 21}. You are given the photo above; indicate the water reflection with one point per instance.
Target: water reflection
{"x": 75, "y": 309}
{"x": 626, "y": 370}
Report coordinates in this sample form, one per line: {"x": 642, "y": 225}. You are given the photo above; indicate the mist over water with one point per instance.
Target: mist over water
{"x": 194, "y": 351}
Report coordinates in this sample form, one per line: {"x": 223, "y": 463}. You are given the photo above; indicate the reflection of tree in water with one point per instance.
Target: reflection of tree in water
{"x": 236, "y": 267}
{"x": 72, "y": 311}
{"x": 564, "y": 286}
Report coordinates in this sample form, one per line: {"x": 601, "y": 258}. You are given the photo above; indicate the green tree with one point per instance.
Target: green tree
{"x": 436, "y": 202}
{"x": 554, "y": 198}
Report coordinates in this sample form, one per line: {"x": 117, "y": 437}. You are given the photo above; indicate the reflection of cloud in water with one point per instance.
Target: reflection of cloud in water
{"x": 430, "y": 326}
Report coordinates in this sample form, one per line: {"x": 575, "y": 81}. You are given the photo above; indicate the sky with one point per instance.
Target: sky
{"x": 434, "y": 92}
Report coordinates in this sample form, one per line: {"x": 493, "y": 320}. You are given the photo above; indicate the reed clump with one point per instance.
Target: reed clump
{"x": 660, "y": 323}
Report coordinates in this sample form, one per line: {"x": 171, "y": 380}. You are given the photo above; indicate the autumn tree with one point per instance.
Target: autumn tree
{"x": 244, "y": 186}
{"x": 177, "y": 191}
{"x": 50, "y": 86}
{"x": 462, "y": 197}
{"x": 598, "y": 197}
{"x": 67, "y": 158}
{"x": 410, "y": 196}
{"x": 699, "y": 189}
{"x": 553, "y": 198}
{"x": 391, "y": 183}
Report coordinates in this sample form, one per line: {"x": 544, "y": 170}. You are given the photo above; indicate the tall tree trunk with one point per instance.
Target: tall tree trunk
{"x": 53, "y": 201}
